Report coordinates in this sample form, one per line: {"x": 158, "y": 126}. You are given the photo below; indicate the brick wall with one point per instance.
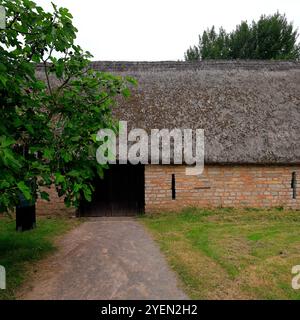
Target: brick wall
{"x": 220, "y": 186}
{"x": 55, "y": 206}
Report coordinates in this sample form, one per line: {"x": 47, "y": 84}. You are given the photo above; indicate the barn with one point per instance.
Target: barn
{"x": 250, "y": 113}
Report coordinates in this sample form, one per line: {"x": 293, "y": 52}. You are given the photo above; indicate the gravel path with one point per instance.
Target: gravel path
{"x": 105, "y": 258}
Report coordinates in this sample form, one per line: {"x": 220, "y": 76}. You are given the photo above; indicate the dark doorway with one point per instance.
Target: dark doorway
{"x": 119, "y": 193}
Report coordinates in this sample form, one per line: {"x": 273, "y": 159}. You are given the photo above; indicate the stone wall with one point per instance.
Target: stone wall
{"x": 220, "y": 186}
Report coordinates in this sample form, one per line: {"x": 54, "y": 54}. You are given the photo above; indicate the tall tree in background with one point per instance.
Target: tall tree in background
{"x": 272, "y": 37}
{"x": 48, "y": 126}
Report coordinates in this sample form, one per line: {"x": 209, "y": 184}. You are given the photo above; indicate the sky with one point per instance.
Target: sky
{"x": 156, "y": 30}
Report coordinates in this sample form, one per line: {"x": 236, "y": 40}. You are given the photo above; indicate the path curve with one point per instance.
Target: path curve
{"x": 105, "y": 258}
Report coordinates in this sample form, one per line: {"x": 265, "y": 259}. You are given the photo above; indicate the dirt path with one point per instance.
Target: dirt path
{"x": 105, "y": 258}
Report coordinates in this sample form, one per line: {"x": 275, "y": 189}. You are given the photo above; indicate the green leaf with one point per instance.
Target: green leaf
{"x": 66, "y": 156}
{"x": 4, "y": 184}
{"x": 74, "y": 173}
{"x": 100, "y": 172}
{"x": 30, "y": 129}
{"x": 25, "y": 190}
{"x": 87, "y": 193}
{"x": 94, "y": 137}
{"x": 131, "y": 80}
{"x": 9, "y": 159}
{"x": 6, "y": 141}
{"x": 48, "y": 154}
{"x": 126, "y": 92}
{"x": 44, "y": 195}
{"x": 76, "y": 187}
{"x": 76, "y": 138}
{"x": 3, "y": 80}
{"x": 59, "y": 178}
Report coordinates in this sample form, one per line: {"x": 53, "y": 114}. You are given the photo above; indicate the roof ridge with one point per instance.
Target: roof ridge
{"x": 272, "y": 65}
{"x": 204, "y": 64}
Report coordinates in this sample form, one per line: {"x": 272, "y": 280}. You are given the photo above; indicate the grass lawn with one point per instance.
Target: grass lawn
{"x": 19, "y": 250}
{"x": 231, "y": 254}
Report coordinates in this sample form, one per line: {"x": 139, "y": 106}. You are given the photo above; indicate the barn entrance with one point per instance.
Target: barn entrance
{"x": 120, "y": 193}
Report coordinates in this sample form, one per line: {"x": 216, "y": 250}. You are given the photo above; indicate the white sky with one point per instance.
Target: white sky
{"x": 152, "y": 30}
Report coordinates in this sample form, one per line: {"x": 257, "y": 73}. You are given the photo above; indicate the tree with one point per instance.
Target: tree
{"x": 272, "y": 37}
{"x": 242, "y": 42}
{"x": 193, "y": 53}
{"x": 48, "y": 127}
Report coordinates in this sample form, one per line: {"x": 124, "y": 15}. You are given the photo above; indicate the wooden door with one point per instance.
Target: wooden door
{"x": 120, "y": 193}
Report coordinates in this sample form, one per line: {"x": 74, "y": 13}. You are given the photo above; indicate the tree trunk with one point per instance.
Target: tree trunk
{"x": 25, "y": 218}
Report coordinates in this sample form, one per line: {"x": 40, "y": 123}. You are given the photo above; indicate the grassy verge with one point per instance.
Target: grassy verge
{"x": 19, "y": 250}
{"x": 231, "y": 254}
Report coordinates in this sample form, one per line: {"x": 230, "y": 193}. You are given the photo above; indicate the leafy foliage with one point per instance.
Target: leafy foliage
{"x": 272, "y": 37}
{"x": 47, "y": 127}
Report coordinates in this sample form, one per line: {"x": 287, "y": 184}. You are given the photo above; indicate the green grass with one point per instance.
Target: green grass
{"x": 18, "y": 251}
{"x": 231, "y": 254}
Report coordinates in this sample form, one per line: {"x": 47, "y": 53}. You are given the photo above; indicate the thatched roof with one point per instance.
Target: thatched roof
{"x": 250, "y": 110}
